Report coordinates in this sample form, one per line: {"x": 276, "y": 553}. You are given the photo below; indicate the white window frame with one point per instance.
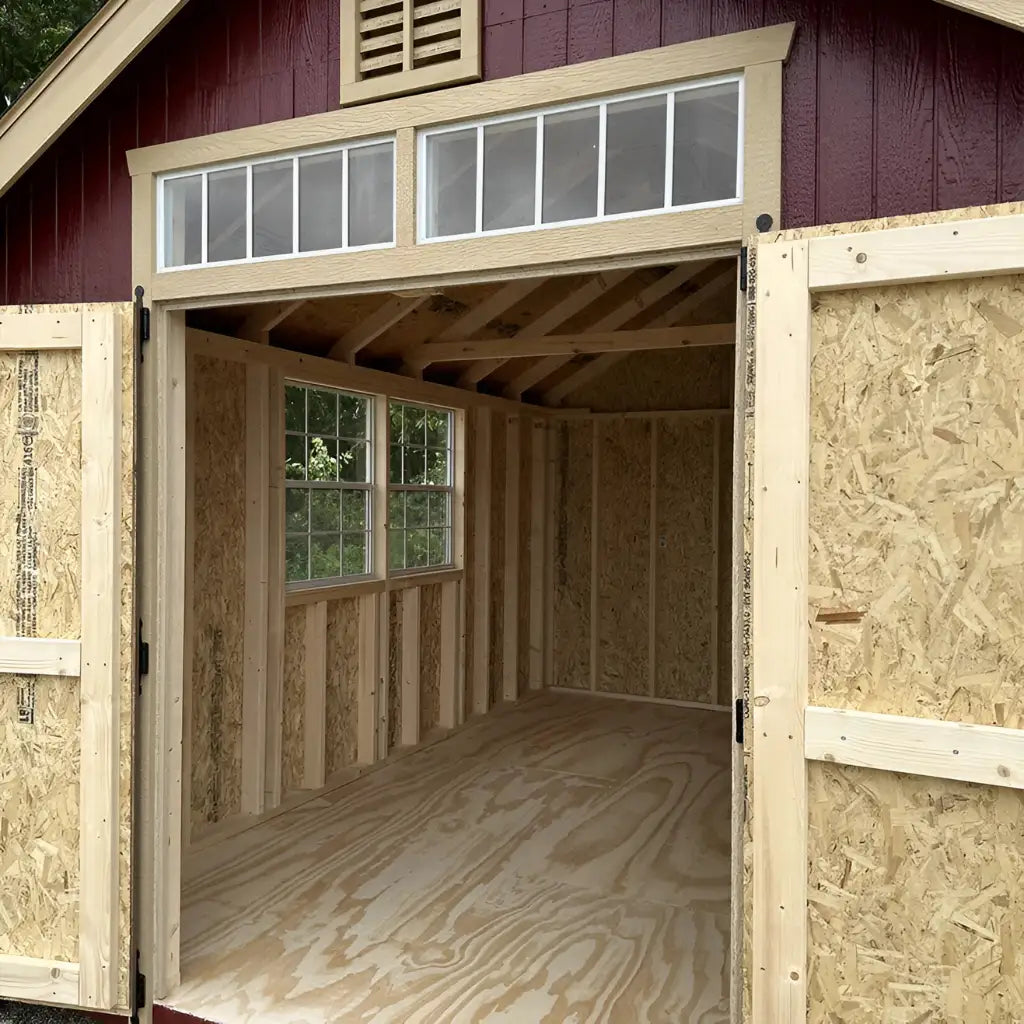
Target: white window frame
{"x": 601, "y": 105}
{"x": 369, "y": 487}
{"x": 447, "y": 488}
{"x": 295, "y": 156}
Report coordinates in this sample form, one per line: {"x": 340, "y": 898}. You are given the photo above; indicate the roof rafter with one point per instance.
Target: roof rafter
{"x": 258, "y": 324}
{"x": 385, "y": 317}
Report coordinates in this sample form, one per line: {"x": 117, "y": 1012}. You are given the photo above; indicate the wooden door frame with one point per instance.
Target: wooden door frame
{"x": 786, "y": 733}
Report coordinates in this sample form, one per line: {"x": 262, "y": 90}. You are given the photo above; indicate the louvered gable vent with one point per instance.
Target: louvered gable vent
{"x": 390, "y": 47}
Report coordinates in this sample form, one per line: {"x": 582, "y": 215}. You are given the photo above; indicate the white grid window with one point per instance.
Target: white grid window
{"x": 320, "y": 201}
{"x": 670, "y": 149}
{"x": 328, "y": 484}
{"x": 420, "y": 488}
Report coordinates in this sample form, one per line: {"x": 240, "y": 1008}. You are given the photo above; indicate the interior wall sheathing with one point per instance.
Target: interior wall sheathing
{"x": 394, "y": 669}
{"x": 623, "y": 556}
{"x": 499, "y": 452}
{"x": 430, "y": 657}
{"x": 724, "y": 527}
{"x": 40, "y": 583}
{"x": 293, "y": 703}
{"x": 571, "y": 623}
{"x": 525, "y": 508}
{"x": 219, "y": 589}
{"x": 684, "y": 580}
{"x": 471, "y": 552}
{"x": 342, "y": 684}
{"x": 916, "y": 909}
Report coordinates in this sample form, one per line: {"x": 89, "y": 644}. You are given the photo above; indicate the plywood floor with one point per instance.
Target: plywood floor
{"x": 565, "y": 861}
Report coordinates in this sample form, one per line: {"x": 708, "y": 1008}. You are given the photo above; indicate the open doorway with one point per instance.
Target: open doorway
{"x": 493, "y": 781}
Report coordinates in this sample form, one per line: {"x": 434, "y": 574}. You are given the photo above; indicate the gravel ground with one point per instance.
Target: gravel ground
{"x": 22, "y": 1013}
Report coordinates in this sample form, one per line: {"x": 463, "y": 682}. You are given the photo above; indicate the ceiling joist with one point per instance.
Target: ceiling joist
{"x": 395, "y": 309}
{"x": 573, "y": 344}
{"x": 258, "y": 325}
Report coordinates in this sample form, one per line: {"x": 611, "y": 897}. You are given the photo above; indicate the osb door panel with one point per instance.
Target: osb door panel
{"x": 66, "y": 652}
{"x": 911, "y": 847}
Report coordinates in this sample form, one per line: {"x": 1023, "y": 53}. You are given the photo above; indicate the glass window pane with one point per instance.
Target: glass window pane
{"x": 437, "y": 550}
{"x": 635, "y": 169}
{"x": 451, "y": 183}
{"x": 226, "y": 218}
{"x": 353, "y": 510}
{"x": 417, "y": 548}
{"x": 510, "y": 174}
{"x": 570, "y": 165}
{"x": 325, "y": 511}
{"x": 321, "y": 212}
{"x": 415, "y": 425}
{"x": 705, "y": 145}
{"x": 371, "y": 195}
{"x": 396, "y": 510}
{"x": 297, "y": 509}
{"x": 183, "y": 221}
{"x": 352, "y": 416}
{"x": 323, "y": 458}
{"x": 323, "y": 412}
{"x": 324, "y": 557}
{"x": 438, "y": 508}
{"x": 272, "y": 208}
{"x": 295, "y": 409}
{"x": 415, "y": 466}
{"x": 395, "y": 465}
{"x": 436, "y": 468}
{"x": 416, "y": 508}
{"x": 396, "y": 416}
{"x": 437, "y": 428}
{"x": 296, "y": 557}
{"x": 295, "y": 457}
{"x": 352, "y": 462}
{"x": 353, "y": 554}
{"x": 396, "y": 549}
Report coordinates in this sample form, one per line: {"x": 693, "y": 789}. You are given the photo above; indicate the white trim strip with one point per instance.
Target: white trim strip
{"x": 28, "y": 656}
{"x": 41, "y": 981}
{"x": 985, "y": 754}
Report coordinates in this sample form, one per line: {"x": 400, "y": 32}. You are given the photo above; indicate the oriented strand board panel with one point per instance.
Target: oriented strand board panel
{"x": 573, "y": 556}
{"x": 394, "y": 676}
{"x": 498, "y": 457}
{"x": 725, "y": 694}
{"x": 430, "y": 657}
{"x": 684, "y": 539}
{"x": 342, "y": 683}
{"x": 219, "y": 589}
{"x": 916, "y": 904}
{"x": 623, "y": 556}
{"x": 469, "y": 579}
{"x": 525, "y": 522}
{"x": 293, "y": 701}
{"x": 917, "y": 515}
{"x": 699, "y": 378}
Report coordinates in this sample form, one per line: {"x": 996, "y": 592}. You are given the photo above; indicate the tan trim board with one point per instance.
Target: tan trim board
{"x": 985, "y": 754}
{"x": 27, "y": 331}
{"x": 28, "y": 656}
{"x": 762, "y": 145}
{"x": 410, "y": 580}
{"x": 99, "y": 901}
{"x": 314, "y": 595}
{"x": 780, "y": 629}
{"x": 38, "y": 981}
{"x": 928, "y": 252}
{"x": 317, "y": 370}
{"x": 79, "y": 73}
{"x": 637, "y": 239}
{"x": 677, "y": 63}
{"x": 522, "y": 346}
{"x": 1005, "y": 12}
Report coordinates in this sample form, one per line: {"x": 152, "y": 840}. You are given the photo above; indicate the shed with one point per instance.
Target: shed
{"x": 511, "y": 511}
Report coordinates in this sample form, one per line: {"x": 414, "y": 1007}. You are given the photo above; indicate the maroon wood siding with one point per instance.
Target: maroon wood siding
{"x": 889, "y": 108}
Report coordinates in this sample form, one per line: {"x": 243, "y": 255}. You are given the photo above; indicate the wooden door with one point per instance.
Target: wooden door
{"x": 886, "y": 696}
{"x": 67, "y": 442}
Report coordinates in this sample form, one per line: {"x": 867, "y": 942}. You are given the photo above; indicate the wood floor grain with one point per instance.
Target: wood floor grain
{"x": 565, "y": 861}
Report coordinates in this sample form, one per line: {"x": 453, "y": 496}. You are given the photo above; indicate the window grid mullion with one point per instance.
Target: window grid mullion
{"x": 295, "y": 205}
{"x": 248, "y": 213}
{"x": 538, "y": 198}
{"x": 479, "y": 214}
{"x": 204, "y": 221}
{"x": 602, "y": 156}
{"x": 670, "y": 145}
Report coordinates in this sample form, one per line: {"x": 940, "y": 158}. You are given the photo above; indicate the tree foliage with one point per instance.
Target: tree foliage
{"x": 32, "y": 32}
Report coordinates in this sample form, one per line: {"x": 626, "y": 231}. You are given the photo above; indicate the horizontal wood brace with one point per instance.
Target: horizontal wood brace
{"x": 29, "y": 656}
{"x": 574, "y": 344}
{"x": 40, "y": 981}
{"x": 20, "y": 332}
{"x": 986, "y": 754}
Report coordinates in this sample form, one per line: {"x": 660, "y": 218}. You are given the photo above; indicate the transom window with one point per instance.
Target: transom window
{"x": 671, "y": 149}
{"x": 419, "y": 487}
{"x": 325, "y": 200}
{"x": 328, "y": 483}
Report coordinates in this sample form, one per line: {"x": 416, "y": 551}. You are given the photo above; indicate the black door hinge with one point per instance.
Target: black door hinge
{"x": 141, "y": 319}
{"x": 143, "y": 662}
{"x": 743, "y": 269}
{"x": 140, "y": 988}
{"x": 741, "y": 710}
